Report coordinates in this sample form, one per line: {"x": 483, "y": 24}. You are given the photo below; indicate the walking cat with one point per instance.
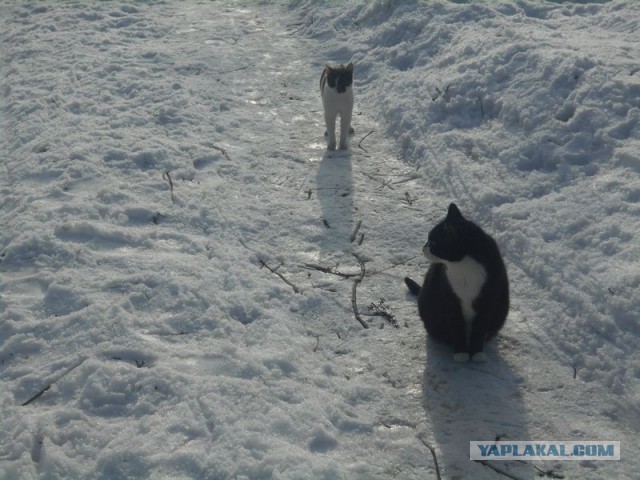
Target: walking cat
{"x": 337, "y": 99}
{"x": 465, "y": 296}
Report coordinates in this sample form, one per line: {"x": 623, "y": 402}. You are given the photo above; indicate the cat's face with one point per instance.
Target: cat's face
{"x": 447, "y": 241}
{"x": 339, "y": 77}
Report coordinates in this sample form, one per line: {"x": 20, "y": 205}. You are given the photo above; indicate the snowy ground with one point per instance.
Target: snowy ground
{"x": 168, "y": 203}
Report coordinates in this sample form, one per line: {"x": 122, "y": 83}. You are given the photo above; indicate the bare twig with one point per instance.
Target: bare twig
{"x": 548, "y": 473}
{"x": 330, "y": 270}
{"x": 354, "y": 234}
{"x": 282, "y": 277}
{"x": 50, "y": 384}
{"x": 381, "y": 310}
{"x": 498, "y": 470}
{"x": 408, "y": 199}
{"x": 234, "y": 70}
{"x": 433, "y": 454}
{"x": 403, "y": 262}
{"x": 362, "y": 140}
{"x": 167, "y": 177}
{"x": 354, "y": 303}
{"x": 221, "y": 150}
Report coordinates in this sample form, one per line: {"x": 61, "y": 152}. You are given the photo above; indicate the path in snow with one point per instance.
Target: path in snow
{"x": 169, "y": 151}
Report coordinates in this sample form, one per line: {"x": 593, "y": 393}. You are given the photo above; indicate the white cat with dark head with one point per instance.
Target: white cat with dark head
{"x": 464, "y": 299}
{"x": 336, "y": 89}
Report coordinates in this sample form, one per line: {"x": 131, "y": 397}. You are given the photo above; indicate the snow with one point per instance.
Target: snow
{"x": 168, "y": 206}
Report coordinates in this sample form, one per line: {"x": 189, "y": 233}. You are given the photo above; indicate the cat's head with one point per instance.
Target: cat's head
{"x": 339, "y": 77}
{"x": 449, "y": 240}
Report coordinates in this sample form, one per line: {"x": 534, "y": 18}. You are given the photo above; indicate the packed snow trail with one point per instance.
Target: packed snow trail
{"x": 159, "y": 159}
{"x": 169, "y": 208}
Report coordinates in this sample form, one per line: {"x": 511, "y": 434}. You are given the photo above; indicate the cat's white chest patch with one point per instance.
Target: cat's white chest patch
{"x": 466, "y": 278}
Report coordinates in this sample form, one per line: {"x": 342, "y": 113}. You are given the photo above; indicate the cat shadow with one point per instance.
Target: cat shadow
{"x": 334, "y": 187}
{"x": 472, "y": 402}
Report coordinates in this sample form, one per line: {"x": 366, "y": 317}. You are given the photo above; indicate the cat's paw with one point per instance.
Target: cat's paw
{"x": 344, "y": 146}
{"x": 331, "y": 146}
{"x": 462, "y": 357}
{"x": 479, "y": 357}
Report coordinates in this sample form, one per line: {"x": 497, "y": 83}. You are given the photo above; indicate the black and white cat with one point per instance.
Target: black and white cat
{"x": 336, "y": 89}
{"x": 465, "y": 296}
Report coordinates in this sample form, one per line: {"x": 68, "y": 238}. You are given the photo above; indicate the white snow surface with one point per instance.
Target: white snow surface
{"x": 168, "y": 206}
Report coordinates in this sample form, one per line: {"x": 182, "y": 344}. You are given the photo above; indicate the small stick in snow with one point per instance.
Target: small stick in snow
{"x": 63, "y": 374}
{"x": 355, "y": 231}
{"x": 433, "y": 454}
{"x": 380, "y": 310}
{"x": 354, "y": 303}
{"x": 548, "y": 473}
{"x": 282, "y": 277}
{"x": 167, "y": 177}
{"x": 403, "y": 262}
{"x": 221, "y": 150}
{"x": 408, "y": 199}
{"x": 331, "y": 270}
{"x": 362, "y": 140}
{"x": 498, "y": 470}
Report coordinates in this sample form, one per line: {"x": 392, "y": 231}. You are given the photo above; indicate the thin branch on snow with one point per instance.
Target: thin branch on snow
{"x": 354, "y": 234}
{"x": 548, "y": 473}
{"x": 48, "y": 386}
{"x": 499, "y": 470}
{"x": 354, "y": 303}
{"x": 433, "y": 454}
{"x": 363, "y": 139}
{"x": 167, "y": 177}
{"x": 381, "y": 310}
{"x": 403, "y": 262}
{"x": 330, "y": 270}
{"x": 282, "y": 277}
{"x": 408, "y": 199}
{"x": 221, "y": 150}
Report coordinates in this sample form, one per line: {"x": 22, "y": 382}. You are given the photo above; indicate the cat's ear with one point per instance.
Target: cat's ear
{"x": 453, "y": 213}
{"x": 350, "y": 67}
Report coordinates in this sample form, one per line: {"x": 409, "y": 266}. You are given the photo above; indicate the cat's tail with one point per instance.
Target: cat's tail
{"x": 413, "y": 287}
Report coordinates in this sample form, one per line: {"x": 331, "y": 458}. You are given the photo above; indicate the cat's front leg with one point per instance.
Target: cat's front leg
{"x": 476, "y": 344}
{"x": 345, "y": 127}
{"x": 330, "y": 122}
{"x": 460, "y": 349}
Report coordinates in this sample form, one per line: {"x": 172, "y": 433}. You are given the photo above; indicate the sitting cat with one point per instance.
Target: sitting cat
{"x": 337, "y": 99}
{"x": 465, "y": 296}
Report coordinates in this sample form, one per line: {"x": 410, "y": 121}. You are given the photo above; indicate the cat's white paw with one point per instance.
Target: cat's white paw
{"x": 461, "y": 357}
{"x": 479, "y": 357}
